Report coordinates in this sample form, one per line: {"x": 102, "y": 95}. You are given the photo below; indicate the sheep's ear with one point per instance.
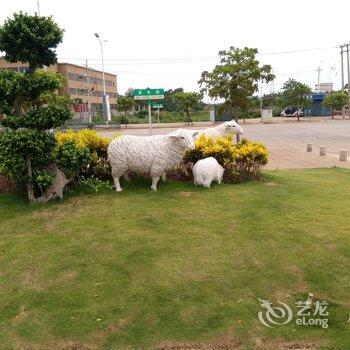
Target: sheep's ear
{"x": 195, "y": 134}
{"x": 174, "y": 137}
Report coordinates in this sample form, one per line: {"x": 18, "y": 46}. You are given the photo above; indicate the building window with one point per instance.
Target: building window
{"x": 23, "y": 69}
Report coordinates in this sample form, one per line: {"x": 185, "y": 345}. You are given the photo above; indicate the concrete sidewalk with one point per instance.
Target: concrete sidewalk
{"x": 295, "y": 159}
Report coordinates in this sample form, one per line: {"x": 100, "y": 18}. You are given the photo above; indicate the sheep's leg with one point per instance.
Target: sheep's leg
{"x": 164, "y": 177}
{"x": 197, "y": 180}
{"x": 155, "y": 180}
{"x": 126, "y": 177}
{"x": 117, "y": 186}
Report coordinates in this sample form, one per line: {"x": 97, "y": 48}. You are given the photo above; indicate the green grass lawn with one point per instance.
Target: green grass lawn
{"x": 181, "y": 268}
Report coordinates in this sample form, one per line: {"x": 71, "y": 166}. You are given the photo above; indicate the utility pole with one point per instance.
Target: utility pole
{"x": 105, "y": 99}
{"x": 318, "y": 70}
{"x": 348, "y": 62}
{"x": 345, "y": 48}
{"x": 38, "y": 5}
{"x": 342, "y": 77}
{"x": 88, "y": 92}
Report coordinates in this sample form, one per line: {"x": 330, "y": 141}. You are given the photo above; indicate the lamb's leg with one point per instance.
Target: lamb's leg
{"x": 164, "y": 177}
{"x": 117, "y": 186}
{"x": 207, "y": 183}
{"x": 155, "y": 180}
{"x": 126, "y": 177}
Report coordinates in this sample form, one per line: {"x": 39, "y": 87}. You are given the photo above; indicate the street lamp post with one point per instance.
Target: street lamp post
{"x": 105, "y": 98}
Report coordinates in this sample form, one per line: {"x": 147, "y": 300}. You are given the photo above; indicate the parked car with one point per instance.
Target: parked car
{"x": 293, "y": 112}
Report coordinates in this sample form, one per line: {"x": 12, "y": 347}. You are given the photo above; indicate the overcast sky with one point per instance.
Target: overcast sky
{"x": 169, "y": 43}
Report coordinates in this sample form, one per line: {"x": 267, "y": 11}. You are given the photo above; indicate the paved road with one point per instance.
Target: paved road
{"x": 287, "y": 141}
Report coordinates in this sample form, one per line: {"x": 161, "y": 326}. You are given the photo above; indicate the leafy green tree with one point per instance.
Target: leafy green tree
{"x": 235, "y": 79}
{"x": 169, "y": 102}
{"x": 270, "y": 100}
{"x": 30, "y": 39}
{"x": 30, "y": 105}
{"x": 139, "y": 105}
{"x": 187, "y": 103}
{"x": 125, "y": 103}
{"x": 336, "y": 100}
{"x": 295, "y": 94}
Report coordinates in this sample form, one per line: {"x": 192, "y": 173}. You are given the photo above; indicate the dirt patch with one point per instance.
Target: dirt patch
{"x": 281, "y": 295}
{"x": 30, "y": 279}
{"x": 264, "y": 344}
{"x": 258, "y": 263}
{"x": 186, "y": 193}
{"x": 51, "y": 216}
{"x": 117, "y": 327}
{"x": 67, "y": 276}
{"x": 270, "y": 183}
{"x": 73, "y": 346}
{"x": 226, "y": 343}
{"x": 21, "y": 316}
{"x": 230, "y": 343}
{"x": 302, "y": 285}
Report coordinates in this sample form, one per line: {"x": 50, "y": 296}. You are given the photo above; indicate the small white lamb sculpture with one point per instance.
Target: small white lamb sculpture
{"x": 207, "y": 170}
{"x": 152, "y": 155}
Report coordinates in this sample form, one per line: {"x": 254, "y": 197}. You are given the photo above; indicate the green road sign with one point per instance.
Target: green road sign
{"x": 155, "y": 104}
{"x": 148, "y": 94}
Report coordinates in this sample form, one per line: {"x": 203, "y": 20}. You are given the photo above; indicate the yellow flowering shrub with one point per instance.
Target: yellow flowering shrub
{"x": 85, "y": 138}
{"x": 97, "y": 146}
{"x": 250, "y": 152}
{"x": 242, "y": 161}
{"x": 221, "y": 148}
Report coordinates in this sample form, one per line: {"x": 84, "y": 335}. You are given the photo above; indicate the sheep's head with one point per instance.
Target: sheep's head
{"x": 183, "y": 138}
{"x": 193, "y": 133}
{"x": 233, "y": 127}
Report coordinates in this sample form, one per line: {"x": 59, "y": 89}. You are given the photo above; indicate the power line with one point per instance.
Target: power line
{"x": 174, "y": 60}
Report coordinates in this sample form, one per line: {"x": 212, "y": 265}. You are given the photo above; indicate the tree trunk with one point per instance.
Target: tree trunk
{"x": 54, "y": 191}
{"x": 298, "y": 114}
{"x": 30, "y": 186}
{"x": 235, "y": 115}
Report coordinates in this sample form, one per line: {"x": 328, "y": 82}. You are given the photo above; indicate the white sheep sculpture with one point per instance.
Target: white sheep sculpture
{"x": 222, "y": 129}
{"x": 153, "y": 155}
{"x": 207, "y": 170}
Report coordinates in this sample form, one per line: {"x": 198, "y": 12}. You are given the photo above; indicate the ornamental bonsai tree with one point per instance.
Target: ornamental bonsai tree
{"x": 30, "y": 106}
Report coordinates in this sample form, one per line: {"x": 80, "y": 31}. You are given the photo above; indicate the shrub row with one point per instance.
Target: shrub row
{"x": 82, "y": 155}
